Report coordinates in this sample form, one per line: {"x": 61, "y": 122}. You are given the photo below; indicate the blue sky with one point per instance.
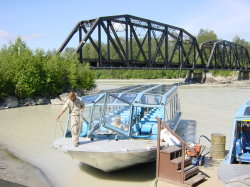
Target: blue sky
{"x": 46, "y": 23}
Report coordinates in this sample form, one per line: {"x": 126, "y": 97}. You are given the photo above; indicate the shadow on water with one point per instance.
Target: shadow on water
{"x": 142, "y": 172}
{"x": 187, "y": 130}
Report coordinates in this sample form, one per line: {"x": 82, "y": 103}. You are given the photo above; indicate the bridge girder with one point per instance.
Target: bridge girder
{"x": 126, "y": 41}
{"x": 225, "y": 55}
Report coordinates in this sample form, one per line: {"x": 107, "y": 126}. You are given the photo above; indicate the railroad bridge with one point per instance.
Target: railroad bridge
{"x": 126, "y": 41}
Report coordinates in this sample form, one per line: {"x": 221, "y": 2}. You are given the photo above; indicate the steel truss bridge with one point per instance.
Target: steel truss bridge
{"x": 127, "y": 41}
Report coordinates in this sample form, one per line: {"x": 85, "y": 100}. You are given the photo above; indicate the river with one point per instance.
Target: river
{"x": 28, "y": 132}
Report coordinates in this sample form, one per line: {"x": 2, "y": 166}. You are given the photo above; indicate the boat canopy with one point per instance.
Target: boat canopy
{"x": 240, "y": 139}
{"x": 135, "y": 108}
{"x": 137, "y": 94}
{"x": 244, "y": 111}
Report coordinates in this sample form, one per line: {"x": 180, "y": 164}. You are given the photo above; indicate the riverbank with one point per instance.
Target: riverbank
{"x": 17, "y": 173}
{"x": 13, "y": 102}
{"x": 103, "y": 84}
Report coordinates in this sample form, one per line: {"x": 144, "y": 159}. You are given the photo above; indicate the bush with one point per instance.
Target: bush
{"x": 217, "y": 73}
{"x": 24, "y": 73}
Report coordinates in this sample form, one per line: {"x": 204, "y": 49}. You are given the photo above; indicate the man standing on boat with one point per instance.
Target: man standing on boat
{"x": 75, "y": 106}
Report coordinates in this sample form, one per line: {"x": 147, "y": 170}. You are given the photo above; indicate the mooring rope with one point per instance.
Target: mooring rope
{"x": 60, "y": 122}
{"x": 54, "y": 137}
{"x": 53, "y": 140}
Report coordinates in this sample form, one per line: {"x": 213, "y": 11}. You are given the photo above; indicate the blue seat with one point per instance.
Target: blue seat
{"x": 241, "y": 156}
{"x": 143, "y": 120}
{"x": 150, "y": 123}
{"x": 141, "y": 137}
{"x": 84, "y": 130}
{"x": 247, "y": 149}
{"x": 155, "y": 130}
{"x": 244, "y": 157}
{"x": 137, "y": 129}
{"x": 146, "y": 129}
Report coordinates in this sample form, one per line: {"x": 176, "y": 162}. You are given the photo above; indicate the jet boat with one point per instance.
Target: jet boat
{"x": 108, "y": 147}
{"x": 235, "y": 169}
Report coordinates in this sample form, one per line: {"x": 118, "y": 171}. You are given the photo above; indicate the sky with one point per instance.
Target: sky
{"x": 45, "y": 24}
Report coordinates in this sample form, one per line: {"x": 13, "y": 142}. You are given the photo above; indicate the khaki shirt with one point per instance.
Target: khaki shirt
{"x": 74, "y": 106}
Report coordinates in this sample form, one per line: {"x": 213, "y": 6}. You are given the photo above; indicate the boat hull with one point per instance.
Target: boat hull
{"x": 110, "y": 155}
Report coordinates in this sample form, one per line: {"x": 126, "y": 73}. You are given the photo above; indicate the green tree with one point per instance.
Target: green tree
{"x": 206, "y": 35}
{"x": 27, "y": 73}
{"x": 242, "y": 42}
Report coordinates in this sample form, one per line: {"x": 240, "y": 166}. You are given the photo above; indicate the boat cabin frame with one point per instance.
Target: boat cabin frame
{"x": 240, "y": 139}
{"x": 129, "y": 112}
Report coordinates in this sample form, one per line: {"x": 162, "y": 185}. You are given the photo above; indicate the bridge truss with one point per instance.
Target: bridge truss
{"x": 127, "y": 41}
{"x": 225, "y": 55}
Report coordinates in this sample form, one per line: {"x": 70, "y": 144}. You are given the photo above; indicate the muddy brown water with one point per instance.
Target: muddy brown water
{"x": 28, "y": 132}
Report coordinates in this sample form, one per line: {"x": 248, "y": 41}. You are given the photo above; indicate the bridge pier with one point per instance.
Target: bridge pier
{"x": 194, "y": 77}
{"x": 201, "y": 77}
{"x": 243, "y": 75}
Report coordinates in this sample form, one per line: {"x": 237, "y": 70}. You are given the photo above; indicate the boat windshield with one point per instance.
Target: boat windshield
{"x": 89, "y": 99}
{"x": 87, "y": 114}
{"x": 95, "y": 121}
{"x": 247, "y": 111}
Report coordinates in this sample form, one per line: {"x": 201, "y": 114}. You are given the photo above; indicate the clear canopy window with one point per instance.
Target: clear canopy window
{"x": 130, "y": 111}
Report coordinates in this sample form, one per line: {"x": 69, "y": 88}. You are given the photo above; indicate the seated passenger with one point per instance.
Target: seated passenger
{"x": 117, "y": 123}
{"x": 246, "y": 137}
{"x": 167, "y": 137}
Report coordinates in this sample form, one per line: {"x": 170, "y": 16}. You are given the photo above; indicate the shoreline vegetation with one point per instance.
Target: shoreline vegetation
{"x": 27, "y": 74}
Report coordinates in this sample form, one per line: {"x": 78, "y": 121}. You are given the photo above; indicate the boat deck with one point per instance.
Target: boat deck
{"x": 86, "y": 145}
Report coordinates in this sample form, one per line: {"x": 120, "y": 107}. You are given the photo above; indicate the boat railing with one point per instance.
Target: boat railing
{"x": 184, "y": 146}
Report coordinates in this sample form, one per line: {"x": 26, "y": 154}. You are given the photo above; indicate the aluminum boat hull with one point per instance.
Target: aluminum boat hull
{"x": 109, "y": 155}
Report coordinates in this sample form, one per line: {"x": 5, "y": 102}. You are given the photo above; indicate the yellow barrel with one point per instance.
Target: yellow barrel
{"x": 218, "y": 142}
